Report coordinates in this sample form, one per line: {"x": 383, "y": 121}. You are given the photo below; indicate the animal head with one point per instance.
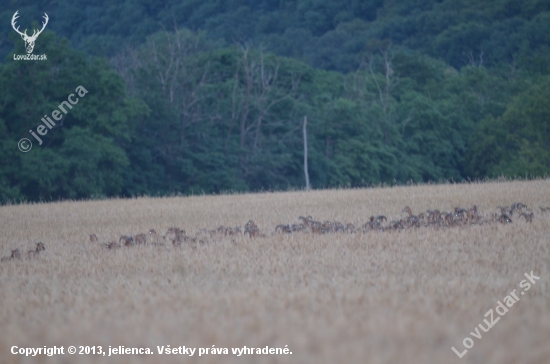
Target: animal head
{"x": 15, "y": 254}
{"x": 29, "y": 40}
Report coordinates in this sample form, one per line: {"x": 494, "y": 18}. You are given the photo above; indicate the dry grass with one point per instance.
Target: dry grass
{"x": 338, "y": 298}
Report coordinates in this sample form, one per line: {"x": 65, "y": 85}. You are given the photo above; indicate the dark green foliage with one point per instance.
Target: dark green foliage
{"x": 518, "y": 142}
{"x": 81, "y": 156}
{"x": 210, "y": 96}
{"x": 325, "y": 33}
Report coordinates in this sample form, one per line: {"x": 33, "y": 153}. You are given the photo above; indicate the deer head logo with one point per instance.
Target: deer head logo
{"x": 29, "y": 41}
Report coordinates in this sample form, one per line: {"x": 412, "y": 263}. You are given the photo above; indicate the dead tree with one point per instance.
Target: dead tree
{"x": 261, "y": 91}
{"x": 305, "y": 154}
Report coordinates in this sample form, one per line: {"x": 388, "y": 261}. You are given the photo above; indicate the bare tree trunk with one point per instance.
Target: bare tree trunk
{"x": 247, "y": 95}
{"x": 305, "y": 154}
{"x": 385, "y": 91}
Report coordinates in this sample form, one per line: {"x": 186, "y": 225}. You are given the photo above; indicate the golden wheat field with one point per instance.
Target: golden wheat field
{"x": 365, "y": 297}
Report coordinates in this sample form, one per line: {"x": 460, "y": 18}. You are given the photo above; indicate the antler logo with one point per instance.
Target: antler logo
{"x": 29, "y": 40}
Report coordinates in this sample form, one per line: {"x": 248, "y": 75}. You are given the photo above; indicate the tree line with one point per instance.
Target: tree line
{"x": 187, "y": 112}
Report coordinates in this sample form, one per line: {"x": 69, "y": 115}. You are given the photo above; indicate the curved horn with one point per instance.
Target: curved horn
{"x": 14, "y": 17}
{"x": 36, "y": 33}
{"x": 43, "y": 24}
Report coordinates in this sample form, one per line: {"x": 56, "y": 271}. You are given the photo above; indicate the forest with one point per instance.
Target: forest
{"x": 191, "y": 97}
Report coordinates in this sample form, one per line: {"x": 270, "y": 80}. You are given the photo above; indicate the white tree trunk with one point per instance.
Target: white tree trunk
{"x": 305, "y": 154}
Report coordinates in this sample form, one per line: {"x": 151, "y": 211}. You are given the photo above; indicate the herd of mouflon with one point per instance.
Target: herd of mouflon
{"x": 429, "y": 219}
{"x": 16, "y": 254}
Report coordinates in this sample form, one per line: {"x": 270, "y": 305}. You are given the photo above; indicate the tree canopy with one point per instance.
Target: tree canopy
{"x": 209, "y": 96}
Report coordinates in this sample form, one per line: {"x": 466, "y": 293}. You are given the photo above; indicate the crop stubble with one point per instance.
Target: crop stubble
{"x": 375, "y": 297}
